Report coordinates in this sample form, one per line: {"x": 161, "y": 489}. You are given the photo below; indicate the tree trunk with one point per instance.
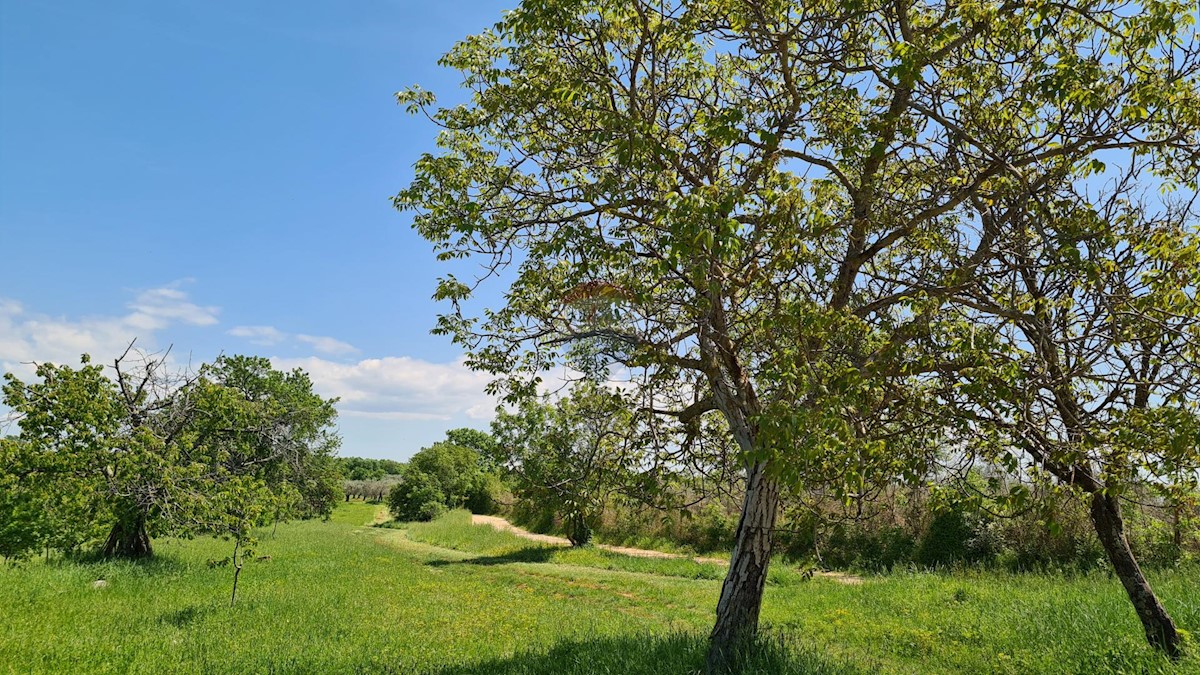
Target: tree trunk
{"x": 1160, "y": 629}
{"x": 129, "y": 539}
{"x": 579, "y": 532}
{"x": 741, "y": 594}
{"x": 1177, "y": 530}
{"x": 237, "y": 571}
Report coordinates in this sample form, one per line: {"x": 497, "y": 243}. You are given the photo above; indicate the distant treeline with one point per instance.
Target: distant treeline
{"x": 558, "y": 468}
{"x": 359, "y": 468}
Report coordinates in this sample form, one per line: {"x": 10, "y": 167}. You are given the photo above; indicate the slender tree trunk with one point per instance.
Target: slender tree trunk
{"x": 237, "y": 570}
{"x": 579, "y": 532}
{"x": 1177, "y": 529}
{"x": 129, "y": 539}
{"x": 1160, "y": 629}
{"x": 741, "y": 594}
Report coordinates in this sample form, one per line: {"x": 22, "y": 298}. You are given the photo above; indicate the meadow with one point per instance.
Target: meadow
{"x": 450, "y": 598}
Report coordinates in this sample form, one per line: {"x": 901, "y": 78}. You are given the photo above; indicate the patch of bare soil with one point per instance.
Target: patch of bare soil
{"x": 502, "y": 524}
{"x": 381, "y": 515}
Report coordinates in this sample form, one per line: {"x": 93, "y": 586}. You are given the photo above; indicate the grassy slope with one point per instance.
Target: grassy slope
{"x": 341, "y": 598}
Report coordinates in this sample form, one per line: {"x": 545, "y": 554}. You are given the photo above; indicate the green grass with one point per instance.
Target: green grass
{"x": 340, "y": 597}
{"x": 356, "y": 513}
{"x": 454, "y": 530}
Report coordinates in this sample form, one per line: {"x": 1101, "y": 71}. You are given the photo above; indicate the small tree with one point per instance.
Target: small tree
{"x": 1079, "y": 359}
{"x": 568, "y": 455}
{"x": 237, "y": 510}
{"x": 149, "y": 452}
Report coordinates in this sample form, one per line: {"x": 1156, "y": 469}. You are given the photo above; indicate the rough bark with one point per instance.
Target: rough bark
{"x": 741, "y": 594}
{"x": 129, "y": 539}
{"x": 579, "y": 532}
{"x": 1160, "y": 629}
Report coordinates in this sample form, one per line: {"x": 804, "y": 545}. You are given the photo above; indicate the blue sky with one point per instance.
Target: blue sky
{"x": 216, "y": 176}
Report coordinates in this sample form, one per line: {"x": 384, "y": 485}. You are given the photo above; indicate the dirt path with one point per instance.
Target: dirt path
{"x": 502, "y": 524}
{"x": 381, "y": 515}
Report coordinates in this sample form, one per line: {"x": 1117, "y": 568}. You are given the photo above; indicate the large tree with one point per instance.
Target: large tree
{"x": 1075, "y": 355}
{"x": 749, "y": 201}
{"x": 149, "y": 452}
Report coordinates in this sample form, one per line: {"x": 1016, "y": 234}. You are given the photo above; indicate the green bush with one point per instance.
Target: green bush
{"x": 431, "y": 510}
{"x": 855, "y": 547}
{"x": 485, "y": 495}
{"x": 952, "y": 538}
{"x": 409, "y": 498}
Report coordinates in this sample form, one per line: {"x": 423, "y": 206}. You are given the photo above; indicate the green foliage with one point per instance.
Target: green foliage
{"x": 949, "y": 540}
{"x": 479, "y": 441}
{"x": 706, "y": 528}
{"x": 153, "y": 453}
{"x": 430, "y": 510}
{"x": 360, "y": 469}
{"x": 415, "y": 497}
{"x": 567, "y": 456}
{"x": 444, "y": 476}
{"x": 458, "y": 471}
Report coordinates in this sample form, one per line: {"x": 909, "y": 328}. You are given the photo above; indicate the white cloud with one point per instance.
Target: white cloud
{"x": 327, "y": 345}
{"x": 27, "y": 337}
{"x": 158, "y": 308}
{"x": 259, "y": 335}
{"x": 398, "y": 392}
{"x": 270, "y": 336}
{"x": 399, "y": 387}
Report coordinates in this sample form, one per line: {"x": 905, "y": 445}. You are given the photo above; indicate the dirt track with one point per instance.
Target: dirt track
{"x": 502, "y": 524}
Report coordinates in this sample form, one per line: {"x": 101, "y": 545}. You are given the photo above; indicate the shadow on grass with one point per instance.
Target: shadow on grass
{"x": 158, "y": 564}
{"x": 529, "y": 554}
{"x": 183, "y": 618}
{"x": 679, "y": 653}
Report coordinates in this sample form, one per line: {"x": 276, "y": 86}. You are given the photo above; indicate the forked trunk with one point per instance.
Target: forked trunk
{"x": 1160, "y": 629}
{"x": 129, "y": 539}
{"x": 741, "y": 594}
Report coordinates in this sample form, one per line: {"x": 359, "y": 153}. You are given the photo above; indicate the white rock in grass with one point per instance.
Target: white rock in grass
{"x": 99, "y": 583}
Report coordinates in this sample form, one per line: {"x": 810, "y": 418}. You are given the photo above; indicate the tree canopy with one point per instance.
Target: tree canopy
{"x": 769, "y": 206}
{"x": 569, "y": 455}
{"x": 446, "y": 475}
{"x": 150, "y": 452}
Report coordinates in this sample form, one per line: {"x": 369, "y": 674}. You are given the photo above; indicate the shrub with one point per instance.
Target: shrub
{"x": 485, "y": 495}
{"x": 409, "y": 498}
{"x": 852, "y": 546}
{"x": 952, "y": 538}
{"x": 431, "y": 510}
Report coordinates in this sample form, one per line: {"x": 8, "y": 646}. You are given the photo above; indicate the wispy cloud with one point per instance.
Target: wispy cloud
{"x": 259, "y": 335}
{"x": 158, "y": 308}
{"x": 327, "y": 345}
{"x": 270, "y": 336}
{"x": 28, "y": 337}
{"x": 400, "y": 387}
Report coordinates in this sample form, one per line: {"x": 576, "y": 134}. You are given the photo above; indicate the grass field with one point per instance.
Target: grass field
{"x": 449, "y": 598}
